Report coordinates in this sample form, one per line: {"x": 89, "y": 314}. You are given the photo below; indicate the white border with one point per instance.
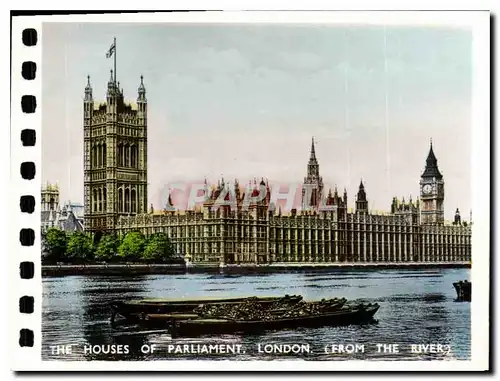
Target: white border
{"x": 19, "y": 187}
{"x": 30, "y": 358}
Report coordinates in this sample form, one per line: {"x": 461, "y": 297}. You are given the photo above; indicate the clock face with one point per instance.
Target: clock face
{"x": 427, "y": 189}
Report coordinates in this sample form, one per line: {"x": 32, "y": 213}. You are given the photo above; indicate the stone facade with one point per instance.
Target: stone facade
{"x": 259, "y": 236}
{"x": 248, "y": 232}
{"x": 115, "y": 157}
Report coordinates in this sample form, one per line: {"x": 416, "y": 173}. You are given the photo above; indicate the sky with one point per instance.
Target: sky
{"x": 243, "y": 101}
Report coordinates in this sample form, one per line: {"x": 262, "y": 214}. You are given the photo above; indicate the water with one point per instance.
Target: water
{"x": 416, "y": 307}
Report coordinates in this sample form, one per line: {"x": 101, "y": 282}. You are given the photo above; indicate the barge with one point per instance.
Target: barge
{"x": 135, "y": 310}
{"x": 198, "y": 327}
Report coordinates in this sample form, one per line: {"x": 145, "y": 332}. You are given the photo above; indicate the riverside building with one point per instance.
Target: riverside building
{"x": 248, "y": 229}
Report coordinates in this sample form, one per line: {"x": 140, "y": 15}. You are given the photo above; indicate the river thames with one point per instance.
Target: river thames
{"x": 417, "y": 307}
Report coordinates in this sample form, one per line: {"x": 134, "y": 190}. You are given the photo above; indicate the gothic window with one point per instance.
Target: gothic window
{"x": 134, "y": 156}
{"x": 134, "y": 201}
{"x": 99, "y": 155}
{"x": 127, "y": 155}
{"x": 94, "y": 156}
{"x": 127, "y": 200}
{"x": 94, "y": 200}
{"x": 105, "y": 203}
{"x": 120, "y": 154}
{"x": 104, "y": 157}
{"x": 100, "y": 200}
{"x": 120, "y": 200}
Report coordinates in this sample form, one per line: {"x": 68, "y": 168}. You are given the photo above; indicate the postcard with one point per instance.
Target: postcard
{"x": 250, "y": 191}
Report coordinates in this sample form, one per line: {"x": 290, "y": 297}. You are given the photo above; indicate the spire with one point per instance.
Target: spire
{"x": 361, "y": 192}
{"x": 141, "y": 86}
{"x": 313, "y": 167}
{"x": 141, "y": 90}
{"x": 313, "y": 162}
{"x": 431, "y": 167}
{"x": 313, "y": 151}
{"x": 111, "y": 83}
{"x": 361, "y": 201}
{"x": 88, "y": 90}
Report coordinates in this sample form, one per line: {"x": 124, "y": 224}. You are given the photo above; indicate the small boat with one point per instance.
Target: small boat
{"x": 346, "y": 316}
{"x": 134, "y": 309}
{"x": 464, "y": 291}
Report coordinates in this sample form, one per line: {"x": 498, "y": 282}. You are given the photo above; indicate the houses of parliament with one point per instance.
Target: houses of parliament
{"x": 116, "y": 193}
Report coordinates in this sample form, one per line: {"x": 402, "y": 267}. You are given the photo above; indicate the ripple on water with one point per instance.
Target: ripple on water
{"x": 416, "y": 307}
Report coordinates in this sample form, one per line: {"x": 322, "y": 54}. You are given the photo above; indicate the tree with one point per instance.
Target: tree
{"x": 54, "y": 243}
{"x": 132, "y": 246}
{"x": 80, "y": 247}
{"x": 107, "y": 248}
{"x": 97, "y": 237}
{"x": 158, "y": 248}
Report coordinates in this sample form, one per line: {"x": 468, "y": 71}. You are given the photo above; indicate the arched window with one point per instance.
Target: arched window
{"x": 133, "y": 156}
{"x": 120, "y": 154}
{"x": 104, "y": 157}
{"x": 127, "y": 155}
{"x": 137, "y": 156}
{"x": 94, "y": 156}
{"x": 101, "y": 155}
{"x": 94, "y": 200}
{"x": 127, "y": 200}
{"x": 120, "y": 200}
{"x": 98, "y": 155}
{"x": 100, "y": 200}
{"x": 105, "y": 200}
{"x": 133, "y": 201}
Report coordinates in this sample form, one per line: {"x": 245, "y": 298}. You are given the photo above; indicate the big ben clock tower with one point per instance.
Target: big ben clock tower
{"x": 432, "y": 192}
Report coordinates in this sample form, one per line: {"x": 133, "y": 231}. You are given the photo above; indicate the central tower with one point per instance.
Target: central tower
{"x": 312, "y": 189}
{"x": 115, "y": 157}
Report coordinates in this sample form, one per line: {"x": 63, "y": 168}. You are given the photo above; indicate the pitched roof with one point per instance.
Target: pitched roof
{"x": 431, "y": 167}
{"x": 70, "y": 223}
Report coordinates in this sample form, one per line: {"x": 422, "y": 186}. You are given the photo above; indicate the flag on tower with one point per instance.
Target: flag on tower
{"x": 111, "y": 50}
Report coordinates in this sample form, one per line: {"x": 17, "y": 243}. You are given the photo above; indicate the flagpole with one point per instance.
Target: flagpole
{"x": 114, "y": 55}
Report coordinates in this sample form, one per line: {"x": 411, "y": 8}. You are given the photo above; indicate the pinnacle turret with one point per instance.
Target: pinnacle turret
{"x": 141, "y": 90}
{"x": 88, "y": 90}
{"x": 111, "y": 84}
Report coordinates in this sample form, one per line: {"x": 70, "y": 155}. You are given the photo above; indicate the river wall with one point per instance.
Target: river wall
{"x": 143, "y": 269}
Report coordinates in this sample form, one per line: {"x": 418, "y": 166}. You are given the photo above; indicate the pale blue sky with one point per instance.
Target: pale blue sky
{"x": 244, "y": 101}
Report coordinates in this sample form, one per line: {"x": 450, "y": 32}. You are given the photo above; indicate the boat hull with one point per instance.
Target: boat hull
{"x": 136, "y": 310}
{"x": 166, "y": 320}
{"x": 199, "y": 327}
